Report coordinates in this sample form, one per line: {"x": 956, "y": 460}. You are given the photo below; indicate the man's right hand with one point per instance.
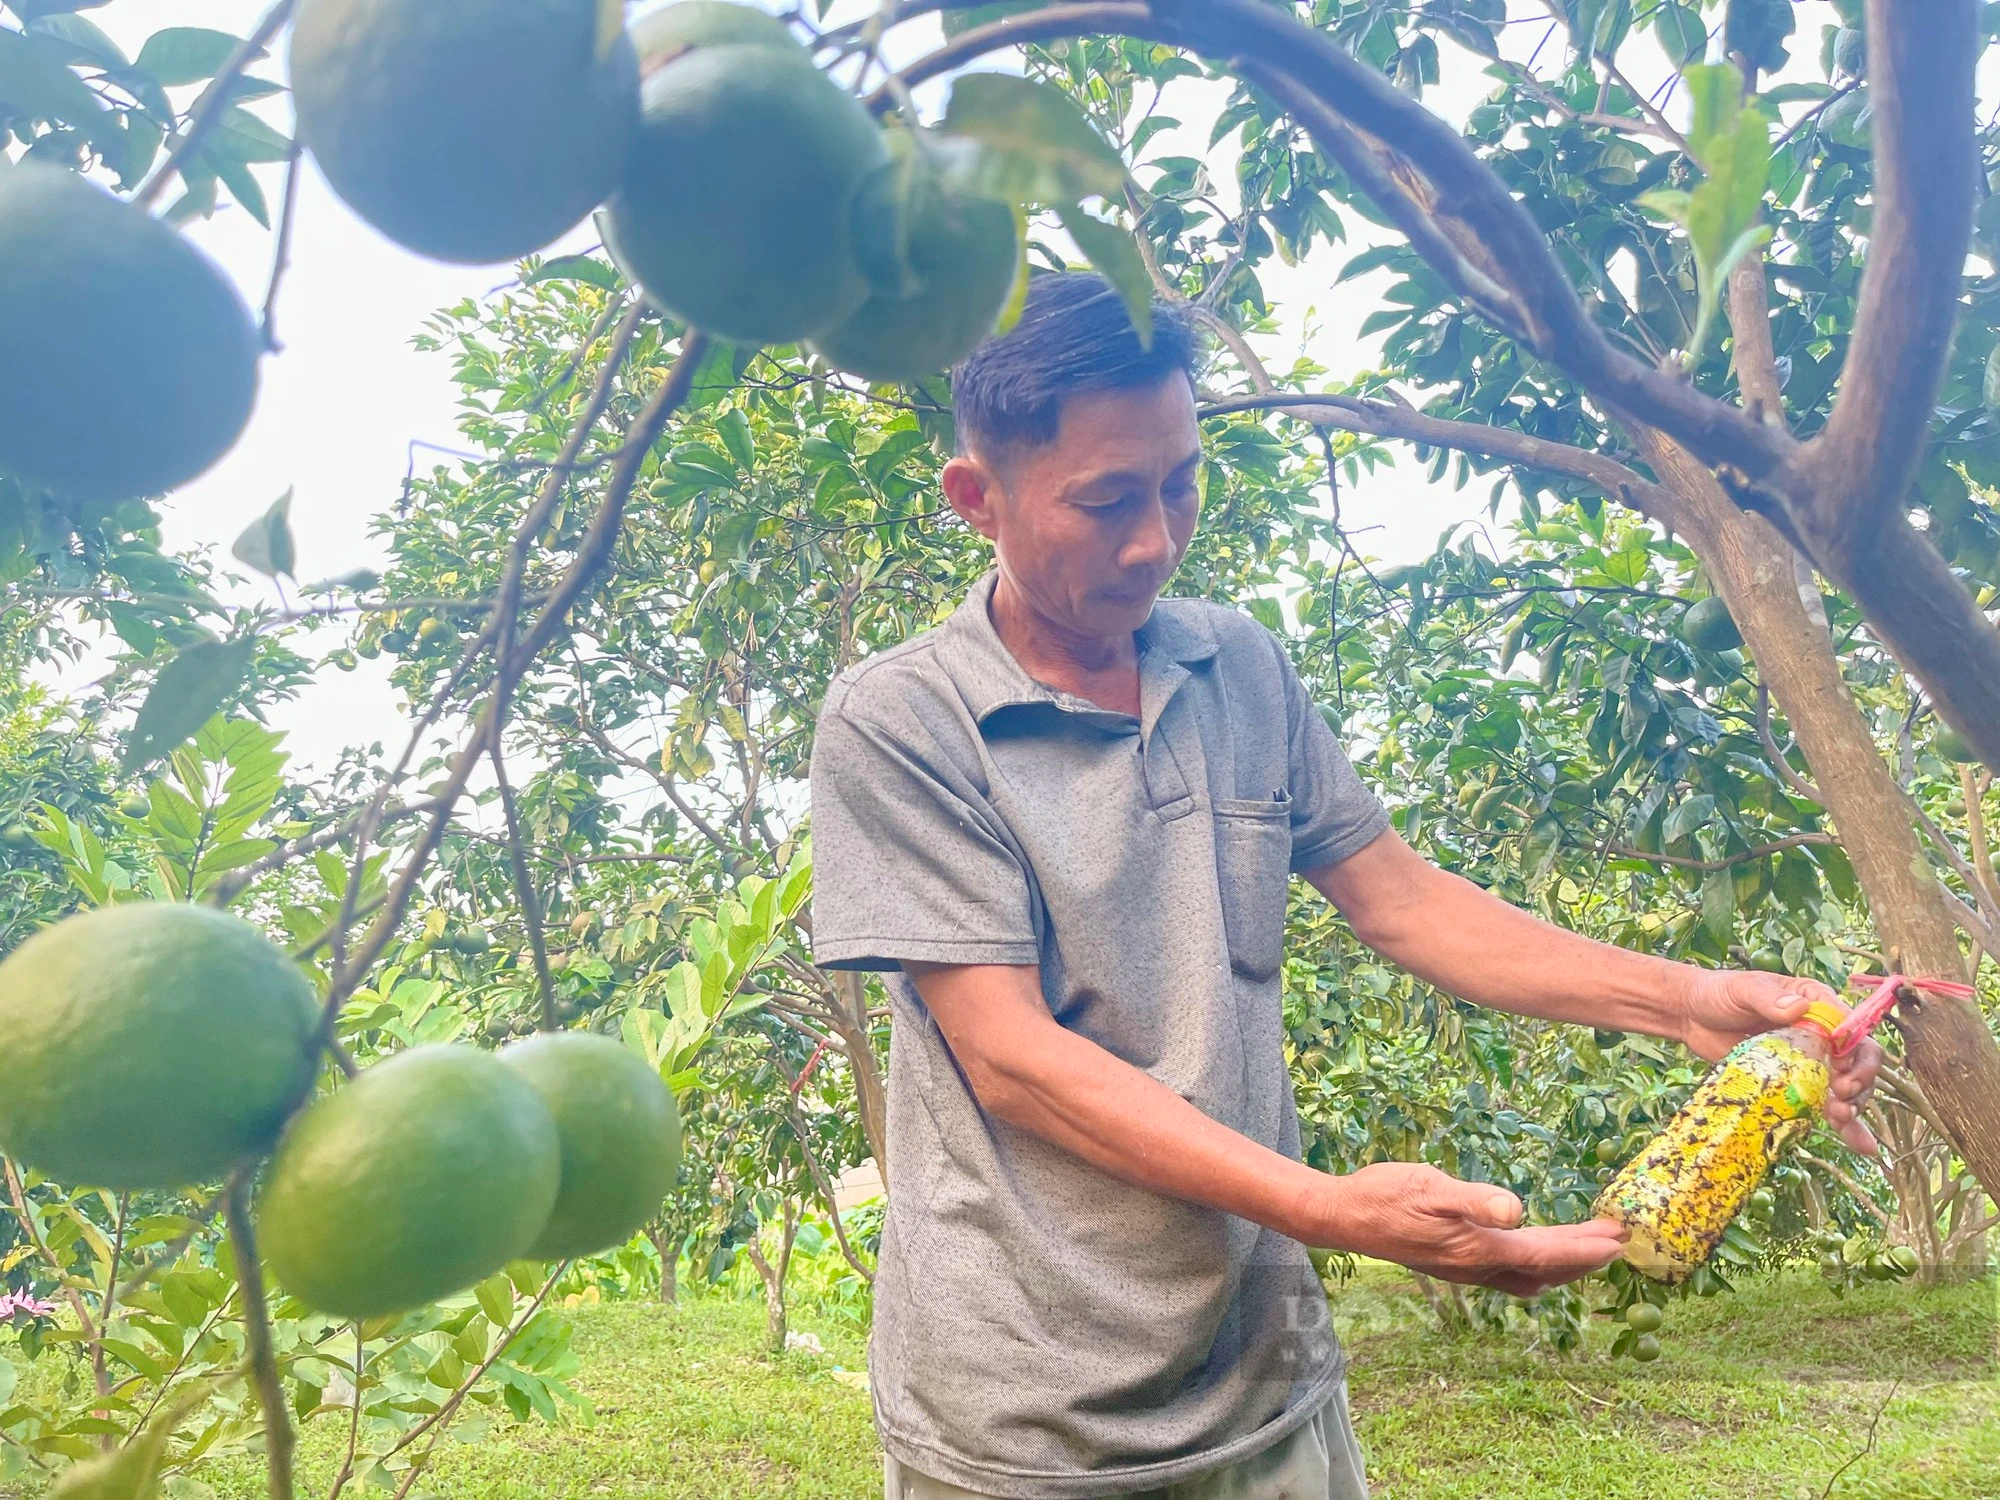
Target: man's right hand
{"x": 1458, "y": 1231}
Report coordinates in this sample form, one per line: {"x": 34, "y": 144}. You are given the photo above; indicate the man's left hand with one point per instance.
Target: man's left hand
{"x": 1723, "y": 1006}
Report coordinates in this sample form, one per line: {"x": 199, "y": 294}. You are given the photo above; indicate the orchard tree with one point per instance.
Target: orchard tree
{"x": 859, "y": 250}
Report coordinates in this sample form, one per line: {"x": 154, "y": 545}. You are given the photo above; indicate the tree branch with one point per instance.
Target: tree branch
{"x": 1920, "y": 90}
{"x": 214, "y": 99}
{"x": 1686, "y": 862}
{"x": 264, "y": 1376}
{"x": 1794, "y": 782}
{"x": 1383, "y": 419}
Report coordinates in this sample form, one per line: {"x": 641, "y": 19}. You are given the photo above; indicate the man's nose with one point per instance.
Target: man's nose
{"x": 1151, "y": 542}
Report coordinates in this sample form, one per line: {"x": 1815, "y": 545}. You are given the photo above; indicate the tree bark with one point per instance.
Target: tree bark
{"x": 1951, "y": 1051}
{"x": 773, "y": 1277}
{"x": 849, "y": 1018}
{"x": 669, "y": 1246}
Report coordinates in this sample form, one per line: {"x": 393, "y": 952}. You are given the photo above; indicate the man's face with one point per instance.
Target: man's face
{"x": 1089, "y": 528}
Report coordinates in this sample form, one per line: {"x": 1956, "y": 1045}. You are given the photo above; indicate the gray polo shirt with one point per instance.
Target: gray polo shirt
{"x": 1042, "y": 1329}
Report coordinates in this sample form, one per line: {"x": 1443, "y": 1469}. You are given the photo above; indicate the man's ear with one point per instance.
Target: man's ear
{"x": 973, "y": 488}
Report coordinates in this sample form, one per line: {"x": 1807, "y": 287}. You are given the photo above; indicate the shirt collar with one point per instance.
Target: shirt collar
{"x": 990, "y": 679}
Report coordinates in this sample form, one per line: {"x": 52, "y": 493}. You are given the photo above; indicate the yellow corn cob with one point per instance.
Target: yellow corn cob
{"x": 1680, "y": 1193}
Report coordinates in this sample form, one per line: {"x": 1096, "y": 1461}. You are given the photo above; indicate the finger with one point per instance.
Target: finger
{"x": 1492, "y": 1208}
{"x": 1782, "y": 1002}
{"x": 1566, "y": 1251}
{"x": 1855, "y": 1074}
{"x": 1857, "y": 1135}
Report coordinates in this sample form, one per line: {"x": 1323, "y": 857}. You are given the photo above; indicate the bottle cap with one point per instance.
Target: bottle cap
{"x": 1827, "y": 1015}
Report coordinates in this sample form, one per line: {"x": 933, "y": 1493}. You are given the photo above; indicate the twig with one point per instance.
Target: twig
{"x": 1793, "y": 781}
{"x": 32, "y": 1230}
{"x": 110, "y": 1291}
{"x": 281, "y": 255}
{"x": 524, "y": 886}
{"x": 348, "y": 968}
{"x": 1868, "y": 1447}
{"x": 353, "y": 1421}
{"x": 257, "y": 1336}
{"x": 214, "y": 99}
{"x": 457, "y": 1399}
{"x": 172, "y": 1251}
{"x": 1685, "y": 862}
{"x": 1860, "y": 1194}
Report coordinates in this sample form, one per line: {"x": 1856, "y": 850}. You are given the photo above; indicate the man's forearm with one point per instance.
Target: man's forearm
{"x": 1069, "y": 1091}
{"x": 1468, "y": 942}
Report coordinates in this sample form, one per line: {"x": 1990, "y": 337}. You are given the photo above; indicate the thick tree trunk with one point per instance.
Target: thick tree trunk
{"x": 1951, "y": 1051}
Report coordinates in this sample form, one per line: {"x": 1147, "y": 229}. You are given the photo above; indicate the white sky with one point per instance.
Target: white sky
{"x": 342, "y": 404}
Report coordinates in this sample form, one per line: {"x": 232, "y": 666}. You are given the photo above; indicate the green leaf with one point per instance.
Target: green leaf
{"x": 1033, "y": 146}
{"x": 496, "y": 1298}
{"x": 86, "y": 41}
{"x": 1115, "y": 253}
{"x": 1682, "y": 32}
{"x": 1718, "y": 905}
{"x": 734, "y": 429}
{"x": 185, "y": 54}
{"x": 193, "y": 686}
{"x": 1990, "y": 389}
{"x": 1757, "y": 29}
{"x": 1715, "y": 98}
{"x": 266, "y": 543}
{"x": 585, "y": 268}
{"x": 33, "y": 83}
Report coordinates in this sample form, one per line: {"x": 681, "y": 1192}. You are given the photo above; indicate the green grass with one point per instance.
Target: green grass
{"x": 1761, "y": 1396}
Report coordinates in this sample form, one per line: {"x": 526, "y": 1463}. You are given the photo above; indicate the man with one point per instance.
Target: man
{"x": 1064, "y": 821}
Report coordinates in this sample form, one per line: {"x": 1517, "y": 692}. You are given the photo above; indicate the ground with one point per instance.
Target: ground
{"x": 1761, "y": 1396}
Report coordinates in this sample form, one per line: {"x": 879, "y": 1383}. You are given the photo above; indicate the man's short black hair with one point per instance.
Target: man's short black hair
{"x": 1074, "y": 336}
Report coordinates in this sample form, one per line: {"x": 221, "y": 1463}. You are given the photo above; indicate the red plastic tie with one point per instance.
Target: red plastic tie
{"x": 806, "y": 1072}
{"x": 1888, "y": 987}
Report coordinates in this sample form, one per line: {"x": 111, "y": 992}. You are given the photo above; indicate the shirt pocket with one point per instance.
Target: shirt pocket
{"x": 1253, "y": 861}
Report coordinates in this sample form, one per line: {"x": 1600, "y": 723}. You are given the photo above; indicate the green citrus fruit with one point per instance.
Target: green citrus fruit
{"x": 1770, "y": 960}
{"x": 1643, "y": 1317}
{"x": 468, "y": 130}
{"x": 620, "y": 1133}
{"x": 1607, "y": 1152}
{"x": 734, "y": 210}
{"x": 1954, "y": 746}
{"x": 19, "y": 838}
{"x": 962, "y": 254}
{"x": 395, "y": 642}
{"x": 431, "y": 628}
{"x": 661, "y": 36}
{"x": 150, "y": 1045}
{"x": 1903, "y": 1258}
{"x": 136, "y": 806}
{"x": 1645, "y": 1348}
{"x": 1708, "y": 626}
{"x": 128, "y": 363}
{"x": 425, "y": 1174}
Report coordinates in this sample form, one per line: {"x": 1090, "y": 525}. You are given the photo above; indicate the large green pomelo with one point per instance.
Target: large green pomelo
{"x": 427, "y": 1173}
{"x": 1708, "y": 626}
{"x": 468, "y": 130}
{"x": 734, "y": 209}
{"x": 128, "y": 363}
{"x": 662, "y": 35}
{"x": 150, "y": 1045}
{"x": 620, "y": 1134}
{"x": 965, "y": 253}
